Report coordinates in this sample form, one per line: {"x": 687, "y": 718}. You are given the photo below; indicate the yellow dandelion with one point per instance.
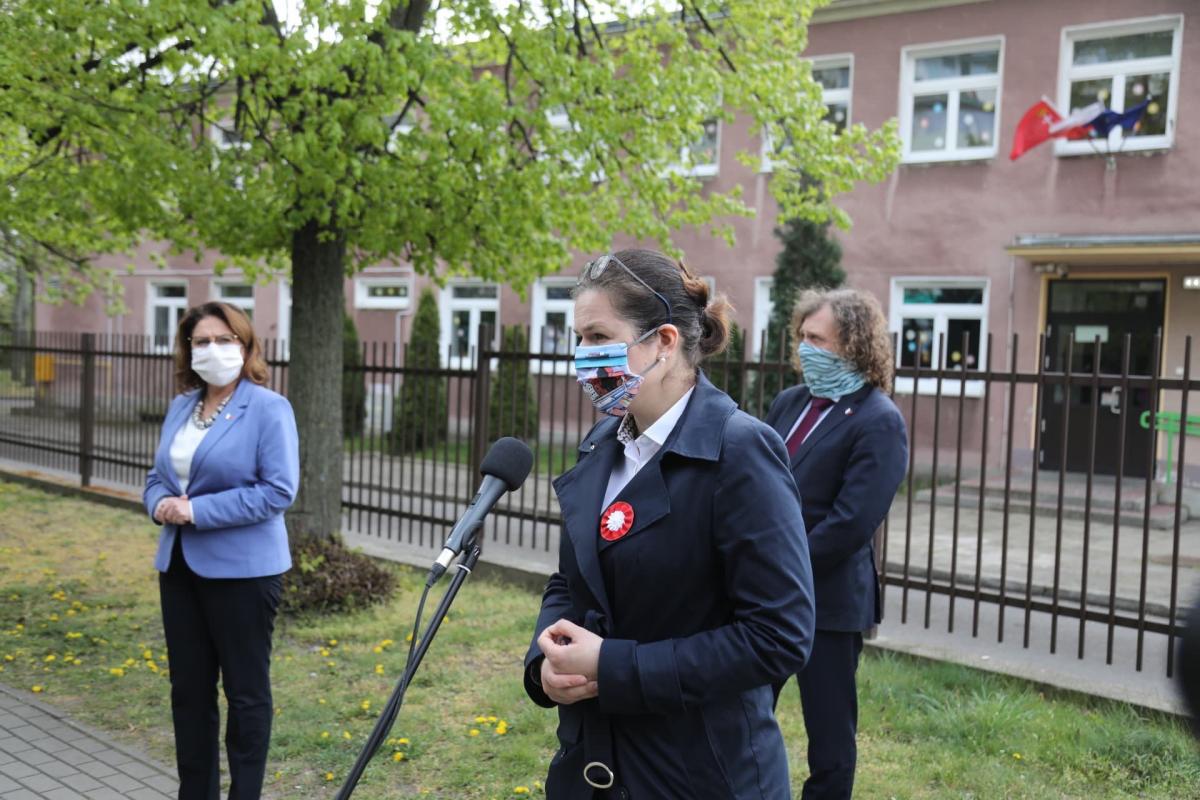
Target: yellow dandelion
{"x": 50, "y": 658}
{"x": 1017, "y": 756}
{"x": 379, "y": 669}
{"x": 324, "y": 734}
{"x": 473, "y": 732}
{"x": 129, "y": 662}
{"x": 481, "y": 720}
{"x": 147, "y": 654}
{"x": 36, "y": 689}
{"x": 408, "y": 638}
{"x": 117, "y": 672}
{"x": 77, "y": 662}
{"x": 7, "y": 657}
{"x": 537, "y": 784}
{"x": 72, "y": 635}
{"x": 150, "y": 665}
{"x": 520, "y": 790}
{"x": 333, "y": 642}
{"x": 386, "y": 643}
{"x": 54, "y": 617}
{"x": 377, "y": 649}
{"x": 328, "y": 776}
{"x": 402, "y": 741}
{"x": 346, "y": 735}
{"x": 321, "y": 701}
{"x": 397, "y": 756}
{"x": 502, "y": 728}
{"x": 331, "y": 664}
{"x": 365, "y": 705}
{"x": 491, "y": 718}
{"x": 71, "y": 612}
{"x": 324, "y": 652}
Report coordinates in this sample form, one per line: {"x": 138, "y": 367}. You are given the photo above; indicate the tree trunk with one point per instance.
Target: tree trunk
{"x": 23, "y": 322}
{"x": 315, "y": 378}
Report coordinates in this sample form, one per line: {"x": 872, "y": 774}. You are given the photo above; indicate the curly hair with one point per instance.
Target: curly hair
{"x": 861, "y": 328}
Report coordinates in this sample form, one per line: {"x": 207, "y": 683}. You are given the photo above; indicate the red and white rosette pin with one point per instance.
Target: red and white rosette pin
{"x": 616, "y": 521}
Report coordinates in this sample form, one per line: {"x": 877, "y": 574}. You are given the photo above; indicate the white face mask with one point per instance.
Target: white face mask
{"x": 218, "y": 364}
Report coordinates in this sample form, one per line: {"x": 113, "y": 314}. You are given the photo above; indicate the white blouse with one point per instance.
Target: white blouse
{"x": 639, "y": 451}
{"x": 183, "y": 448}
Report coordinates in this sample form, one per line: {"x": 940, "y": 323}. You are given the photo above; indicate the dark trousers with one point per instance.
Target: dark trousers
{"x": 219, "y": 626}
{"x": 829, "y": 695}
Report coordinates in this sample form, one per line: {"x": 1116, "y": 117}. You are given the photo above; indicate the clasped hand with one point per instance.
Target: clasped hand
{"x": 173, "y": 510}
{"x": 571, "y": 664}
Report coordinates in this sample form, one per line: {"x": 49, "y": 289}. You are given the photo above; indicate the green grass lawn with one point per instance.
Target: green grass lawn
{"x": 79, "y": 624}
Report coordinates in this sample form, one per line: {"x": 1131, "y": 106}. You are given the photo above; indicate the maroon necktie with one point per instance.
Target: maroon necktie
{"x": 815, "y": 409}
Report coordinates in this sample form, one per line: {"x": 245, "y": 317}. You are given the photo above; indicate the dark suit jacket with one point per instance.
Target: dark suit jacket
{"x": 847, "y": 471}
{"x": 703, "y": 605}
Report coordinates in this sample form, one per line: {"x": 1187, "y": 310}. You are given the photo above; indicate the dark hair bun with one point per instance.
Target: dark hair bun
{"x": 714, "y": 313}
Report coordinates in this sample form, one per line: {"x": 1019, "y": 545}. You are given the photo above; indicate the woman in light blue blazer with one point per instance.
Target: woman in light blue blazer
{"x": 226, "y": 469}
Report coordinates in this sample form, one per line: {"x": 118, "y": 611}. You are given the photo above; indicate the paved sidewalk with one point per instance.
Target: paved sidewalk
{"x": 45, "y": 756}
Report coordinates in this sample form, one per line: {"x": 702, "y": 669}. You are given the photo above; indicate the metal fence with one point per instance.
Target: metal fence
{"x": 1029, "y": 493}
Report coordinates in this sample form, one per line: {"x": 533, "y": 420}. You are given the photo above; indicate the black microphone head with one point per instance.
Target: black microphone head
{"x": 510, "y": 460}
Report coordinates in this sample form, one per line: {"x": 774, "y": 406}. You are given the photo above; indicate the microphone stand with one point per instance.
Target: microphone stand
{"x": 465, "y": 566}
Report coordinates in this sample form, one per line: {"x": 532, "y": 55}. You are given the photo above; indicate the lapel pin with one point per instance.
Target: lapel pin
{"x": 849, "y": 412}
{"x": 230, "y": 416}
{"x": 616, "y": 521}
{"x": 592, "y": 447}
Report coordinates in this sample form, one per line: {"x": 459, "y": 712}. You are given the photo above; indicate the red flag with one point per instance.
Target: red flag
{"x": 1034, "y": 127}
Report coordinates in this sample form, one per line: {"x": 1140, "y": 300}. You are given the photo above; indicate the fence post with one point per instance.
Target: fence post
{"x": 480, "y": 412}
{"x": 87, "y": 408}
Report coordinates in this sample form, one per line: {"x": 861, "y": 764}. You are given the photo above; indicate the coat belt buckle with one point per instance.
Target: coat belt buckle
{"x": 598, "y": 784}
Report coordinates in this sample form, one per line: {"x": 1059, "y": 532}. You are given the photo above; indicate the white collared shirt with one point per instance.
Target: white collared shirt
{"x": 639, "y": 451}
{"x": 804, "y": 414}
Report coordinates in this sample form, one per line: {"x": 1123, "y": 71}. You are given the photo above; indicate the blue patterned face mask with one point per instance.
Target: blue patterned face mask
{"x": 603, "y": 372}
{"x": 828, "y": 375}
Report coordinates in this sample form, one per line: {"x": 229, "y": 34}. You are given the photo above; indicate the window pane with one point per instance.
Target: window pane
{"x": 832, "y": 77}
{"x": 1121, "y": 48}
{"x": 384, "y": 291}
{"x": 944, "y": 294}
{"x": 955, "y": 357}
{"x": 558, "y": 292}
{"x": 705, "y": 150}
{"x": 460, "y": 333}
{"x": 836, "y": 114}
{"x": 1139, "y": 89}
{"x": 238, "y": 291}
{"x": 956, "y": 66}
{"x": 916, "y": 343}
{"x": 162, "y": 326}
{"x": 976, "y": 118}
{"x": 1084, "y": 93}
{"x": 929, "y": 122}
{"x": 554, "y": 333}
{"x": 486, "y": 292}
{"x": 488, "y": 319}
{"x": 171, "y": 291}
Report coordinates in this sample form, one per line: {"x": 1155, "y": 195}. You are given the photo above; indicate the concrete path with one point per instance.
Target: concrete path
{"x": 45, "y": 756}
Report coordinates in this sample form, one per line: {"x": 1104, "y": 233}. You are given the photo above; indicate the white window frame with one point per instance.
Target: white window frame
{"x": 179, "y": 305}
{"x": 827, "y": 96}
{"x": 951, "y": 87}
{"x": 540, "y": 306}
{"x": 362, "y": 294}
{"x": 709, "y": 170}
{"x": 283, "y": 325}
{"x": 246, "y": 304}
{"x": 448, "y": 304}
{"x": 941, "y": 313}
{"x": 1118, "y": 71}
{"x": 763, "y": 308}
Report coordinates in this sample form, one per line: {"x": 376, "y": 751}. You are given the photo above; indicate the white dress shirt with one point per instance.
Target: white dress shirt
{"x": 804, "y": 414}
{"x": 639, "y": 451}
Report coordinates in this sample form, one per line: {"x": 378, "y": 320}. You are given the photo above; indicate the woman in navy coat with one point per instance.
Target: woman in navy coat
{"x": 684, "y": 588}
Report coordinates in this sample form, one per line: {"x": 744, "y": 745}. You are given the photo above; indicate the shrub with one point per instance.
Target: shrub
{"x": 421, "y": 415}
{"x": 513, "y": 408}
{"x": 327, "y": 576}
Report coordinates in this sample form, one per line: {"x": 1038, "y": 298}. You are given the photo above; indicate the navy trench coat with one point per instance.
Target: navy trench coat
{"x": 703, "y": 604}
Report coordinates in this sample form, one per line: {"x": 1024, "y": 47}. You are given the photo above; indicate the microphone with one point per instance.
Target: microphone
{"x": 504, "y": 469}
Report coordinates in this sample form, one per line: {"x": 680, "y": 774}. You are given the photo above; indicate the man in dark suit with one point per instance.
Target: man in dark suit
{"x": 848, "y": 447}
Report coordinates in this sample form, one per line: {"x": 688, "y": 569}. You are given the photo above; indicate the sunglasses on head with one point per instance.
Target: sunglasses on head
{"x": 594, "y": 269}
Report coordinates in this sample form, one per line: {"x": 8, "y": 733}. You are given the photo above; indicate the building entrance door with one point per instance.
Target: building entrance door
{"x": 1109, "y": 309}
